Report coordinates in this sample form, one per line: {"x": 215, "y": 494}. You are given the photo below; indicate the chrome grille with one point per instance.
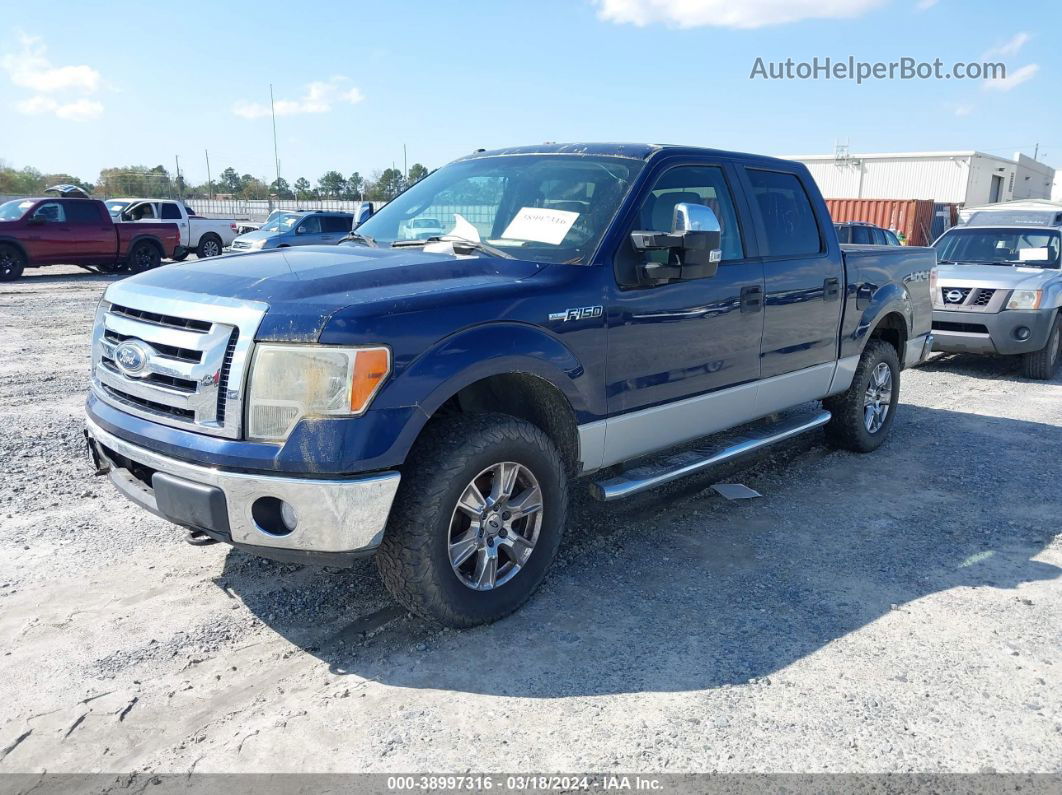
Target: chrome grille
{"x": 183, "y": 356}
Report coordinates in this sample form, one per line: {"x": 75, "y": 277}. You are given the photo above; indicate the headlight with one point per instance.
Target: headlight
{"x": 260, "y": 243}
{"x": 1025, "y": 299}
{"x": 289, "y": 382}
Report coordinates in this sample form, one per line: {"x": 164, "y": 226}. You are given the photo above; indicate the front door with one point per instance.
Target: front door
{"x": 48, "y": 237}
{"x": 677, "y": 352}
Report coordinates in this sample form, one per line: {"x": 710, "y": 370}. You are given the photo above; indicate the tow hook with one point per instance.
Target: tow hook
{"x": 99, "y": 463}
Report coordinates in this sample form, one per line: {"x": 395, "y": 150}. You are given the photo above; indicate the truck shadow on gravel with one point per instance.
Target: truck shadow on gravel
{"x": 995, "y": 368}
{"x": 683, "y": 591}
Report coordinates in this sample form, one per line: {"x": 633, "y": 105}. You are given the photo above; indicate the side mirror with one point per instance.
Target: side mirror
{"x": 364, "y": 214}
{"x": 692, "y": 245}
{"x": 300, "y": 230}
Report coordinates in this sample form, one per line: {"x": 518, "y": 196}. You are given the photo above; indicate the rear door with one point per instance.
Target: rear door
{"x": 334, "y": 228}
{"x": 91, "y": 232}
{"x": 171, "y": 212}
{"x": 803, "y": 275}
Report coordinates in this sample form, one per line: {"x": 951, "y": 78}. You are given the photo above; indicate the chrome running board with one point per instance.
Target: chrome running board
{"x": 678, "y": 466}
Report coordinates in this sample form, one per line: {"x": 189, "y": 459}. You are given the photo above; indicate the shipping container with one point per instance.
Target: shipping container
{"x": 920, "y": 220}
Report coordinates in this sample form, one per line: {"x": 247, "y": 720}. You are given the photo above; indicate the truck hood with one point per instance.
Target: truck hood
{"x": 305, "y": 286}
{"x": 998, "y": 277}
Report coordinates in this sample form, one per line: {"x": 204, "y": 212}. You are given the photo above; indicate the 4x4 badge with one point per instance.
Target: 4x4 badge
{"x": 577, "y": 313}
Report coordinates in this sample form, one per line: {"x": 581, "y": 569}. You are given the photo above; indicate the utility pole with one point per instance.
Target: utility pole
{"x": 177, "y": 158}
{"x": 272, "y": 109}
{"x": 405, "y": 164}
{"x": 210, "y": 182}
{"x": 1036, "y": 152}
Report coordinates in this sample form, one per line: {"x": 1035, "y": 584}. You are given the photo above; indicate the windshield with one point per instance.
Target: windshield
{"x": 282, "y": 223}
{"x": 1037, "y": 248}
{"x": 544, "y": 208}
{"x": 13, "y": 210}
{"x": 115, "y": 207}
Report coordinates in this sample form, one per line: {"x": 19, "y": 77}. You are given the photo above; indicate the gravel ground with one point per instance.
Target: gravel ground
{"x": 893, "y": 612}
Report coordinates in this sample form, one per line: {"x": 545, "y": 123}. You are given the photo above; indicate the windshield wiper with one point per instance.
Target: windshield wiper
{"x": 458, "y": 242}
{"x": 357, "y": 237}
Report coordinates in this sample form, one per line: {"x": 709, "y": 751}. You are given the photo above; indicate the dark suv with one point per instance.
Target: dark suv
{"x": 864, "y": 234}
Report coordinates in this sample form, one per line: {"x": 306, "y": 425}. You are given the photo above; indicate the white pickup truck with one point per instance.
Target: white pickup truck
{"x": 205, "y": 236}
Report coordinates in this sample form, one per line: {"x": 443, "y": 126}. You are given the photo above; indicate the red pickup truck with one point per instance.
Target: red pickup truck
{"x": 78, "y": 232}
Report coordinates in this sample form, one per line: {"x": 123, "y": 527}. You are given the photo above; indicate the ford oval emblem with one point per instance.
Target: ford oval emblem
{"x": 954, "y": 296}
{"x": 131, "y": 357}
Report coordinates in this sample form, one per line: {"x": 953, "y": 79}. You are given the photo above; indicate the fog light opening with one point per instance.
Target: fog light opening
{"x": 1022, "y": 333}
{"x": 274, "y": 517}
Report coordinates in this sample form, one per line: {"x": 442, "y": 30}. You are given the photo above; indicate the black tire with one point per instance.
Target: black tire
{"x": 12, "y": 263}
{"x": 414, "y": 558}
{"x": 1043, "y": 363}
{"x": 113, "y": 267}
{"x": 180, "y": 255}
{"x": 144, "y": 256}
{"x": 209, "y": 246}
{"x": 851, "y": 427}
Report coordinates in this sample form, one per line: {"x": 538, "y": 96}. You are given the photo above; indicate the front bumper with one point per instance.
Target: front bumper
{"x": 991, "y": 332}
{"x": 338, "y": 519}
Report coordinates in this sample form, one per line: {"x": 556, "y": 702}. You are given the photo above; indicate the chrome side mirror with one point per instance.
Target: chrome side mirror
{"x": 692, "y": 245}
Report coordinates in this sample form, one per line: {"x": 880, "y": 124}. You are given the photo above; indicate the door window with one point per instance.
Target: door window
{"x": 51, "y": 212}
{"x": 693, "y": 185}
{"x": 877, "y": 237}
{"x": 82, "y": 212}
{"x": 170, "y": 212}
{"x": 311, "y": 225}
{"x": 860, "y": 235}
{"x": 786, "y": 214}
{"x": 891, "y": 239}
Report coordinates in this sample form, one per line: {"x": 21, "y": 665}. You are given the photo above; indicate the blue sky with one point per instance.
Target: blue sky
{"x": 85, "y": 86}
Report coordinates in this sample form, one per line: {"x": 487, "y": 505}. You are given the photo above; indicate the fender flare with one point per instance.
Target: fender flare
{"x": 887, "y": 299}
{"x": 11, "y": 241}
{"x": 140, "y": 239}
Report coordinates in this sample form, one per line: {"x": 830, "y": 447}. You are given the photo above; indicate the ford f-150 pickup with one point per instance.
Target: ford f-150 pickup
{"x": 77, "y": 231}
{"x": 999, "y": 288}
{"x": 431, "y": 400}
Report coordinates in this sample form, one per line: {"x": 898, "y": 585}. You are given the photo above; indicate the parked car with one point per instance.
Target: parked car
{"x": 999, "y": 291}
{"x": 207, "y": 237}
{"x": 421, "y": 229}
{"x": 861, "y": 233}
{"x": 77, "y": 232}
{"x": 299, "y": 228}
{"x": 433, "y": 401}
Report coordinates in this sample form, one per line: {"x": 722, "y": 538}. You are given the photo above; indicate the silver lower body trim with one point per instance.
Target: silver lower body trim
{"x": 918, "y": 350}
{"x": 347, "y": 515}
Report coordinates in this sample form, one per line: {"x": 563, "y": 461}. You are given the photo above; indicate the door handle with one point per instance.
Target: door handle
{"x": 751, "y": 298}
{"x": 831, "y": 289}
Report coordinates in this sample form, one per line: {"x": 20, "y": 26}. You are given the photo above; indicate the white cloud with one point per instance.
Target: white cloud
{"x": 1012, "y": 80}
{"x": 1008, "y": 48}
{"x": 727, "y": 13}
{"x": 318, "y": 97}
{"x": 30, "y": 68}
{"x": 925, "y": 5}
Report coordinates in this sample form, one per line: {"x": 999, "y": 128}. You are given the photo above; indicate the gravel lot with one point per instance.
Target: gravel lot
{"x": 893, "y": 612}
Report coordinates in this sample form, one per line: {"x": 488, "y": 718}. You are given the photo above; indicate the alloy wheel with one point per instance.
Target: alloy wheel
{"x": 878, "y": 398}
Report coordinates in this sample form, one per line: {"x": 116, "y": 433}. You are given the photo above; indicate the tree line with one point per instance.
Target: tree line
{"x": 158, "y": 182}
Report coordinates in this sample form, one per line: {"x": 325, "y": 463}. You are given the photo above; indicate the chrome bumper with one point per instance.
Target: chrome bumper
{"x": 334, "y": 516}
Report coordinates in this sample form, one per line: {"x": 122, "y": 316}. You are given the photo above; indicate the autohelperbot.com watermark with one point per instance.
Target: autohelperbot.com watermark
{"x": 860, "y": 72}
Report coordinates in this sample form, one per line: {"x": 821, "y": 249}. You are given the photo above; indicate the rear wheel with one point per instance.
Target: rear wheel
{"x": 144, "y": 256}
{"x": 1043, "y": 363}
{"x": 477, "y": 520}
{"x": 12, "y": 263}
{"x": 863, "y": 415}
{"x": 209, "y": 246}
{"x": 180, "y": 255}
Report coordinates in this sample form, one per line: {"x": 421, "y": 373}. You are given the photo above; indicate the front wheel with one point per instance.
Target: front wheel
{"x": 12, "y": 263}
{"x": 476, "y": 521}
{"x": 1043, "y": 363}
{"x": 863, "y": 415}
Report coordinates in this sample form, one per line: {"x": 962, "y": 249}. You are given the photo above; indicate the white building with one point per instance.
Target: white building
{"x": 968, "y": 178}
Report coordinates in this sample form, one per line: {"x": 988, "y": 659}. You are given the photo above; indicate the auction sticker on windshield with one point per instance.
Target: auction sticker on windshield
{"x": 540, "y": 225}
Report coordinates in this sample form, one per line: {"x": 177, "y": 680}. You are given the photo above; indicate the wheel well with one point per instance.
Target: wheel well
{"x": 15, "y": 245}
{"x": 892, "y": 329}
{"x": 526, "y": 397}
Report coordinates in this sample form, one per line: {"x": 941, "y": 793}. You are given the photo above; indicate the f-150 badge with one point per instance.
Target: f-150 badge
{"x": 577, "y": 313}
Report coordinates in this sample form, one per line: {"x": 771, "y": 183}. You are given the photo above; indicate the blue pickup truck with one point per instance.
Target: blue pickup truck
{"x": 591, "y": 309}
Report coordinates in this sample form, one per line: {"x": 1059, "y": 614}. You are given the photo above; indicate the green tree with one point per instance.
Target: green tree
{"x": 302, "y": 187}
{"x": 332, "y": 184}
{"x": 417, "y": 172}
{"x": 355, "y": 186}
{"x": 386, "y": 185}
{"x": 229, "y": 182}
{"x": 135, "y": 182}
{"x": 281, "y": 188}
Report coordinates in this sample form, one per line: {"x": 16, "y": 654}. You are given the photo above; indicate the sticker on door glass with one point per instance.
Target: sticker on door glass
{"x": 540, "y": 225}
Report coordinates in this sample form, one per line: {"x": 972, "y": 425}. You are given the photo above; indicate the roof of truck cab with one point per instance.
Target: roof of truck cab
{"x": 628, "y": 150}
